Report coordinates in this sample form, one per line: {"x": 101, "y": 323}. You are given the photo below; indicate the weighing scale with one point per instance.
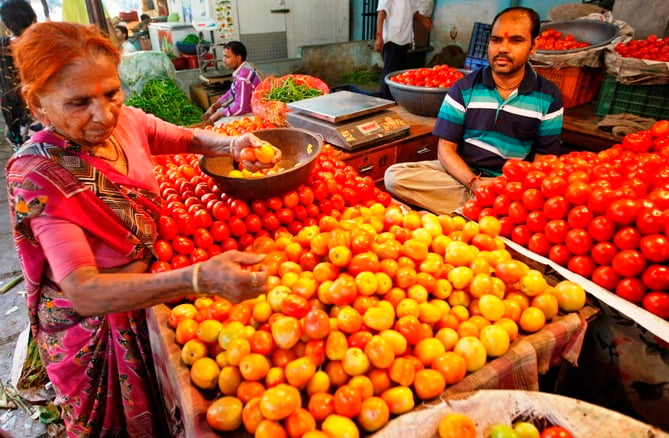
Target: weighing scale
{"x": 348, "y": 120}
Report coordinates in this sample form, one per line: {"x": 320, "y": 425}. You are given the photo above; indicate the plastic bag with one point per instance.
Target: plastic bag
{"x": 273, "y": 110}
{"x": 137, "y": 68}
{"x": 635, "y": 71}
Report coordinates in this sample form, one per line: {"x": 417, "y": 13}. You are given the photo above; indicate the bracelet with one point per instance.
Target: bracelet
{"x": 472, "y": 180}
{"x": 231, "y": 146}
{"x": 194, "y": 282}
{"x": 378, "y": 34}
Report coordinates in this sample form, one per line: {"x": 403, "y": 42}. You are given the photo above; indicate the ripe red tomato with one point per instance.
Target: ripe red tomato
{"x": 601, "y": 229}
{"x": 516, "y": 170}
{"x": 536, "y": 221}
{"x": 179, "y": 261}
{"x": 606, "y": 277}
{"x": 185, "y": 223}
{"x": 603, "y": 252}
{"x": 578, "y": 193}
{"x": 236, "y": 226}
{"x": 555, "y": 432}
{"x": 556, "y": 207}
{"x": 533, "y": 179}
{"x": 199, "y": 255}
{"x": 533, "y": 199}
{"x": 539, "y": 244}
{"x": 638, "y": 141}
{"x": 167, "y": 228}
{"x": 556, "y": 230}
{"x": 183, "y": 245}
{"x": 164, "y": 251}
{"x": 579, "y": 217}
{"x": 203, "y": 238}
{"x": 506, "y": 225}
{"x": 521, "y": 234}
{"x": 655, "y": 247}
{"x": 623, "y": 211}
{"x": 501, "y": 205}
{"x": 202, "y": 219}
{"x": 515, "y": 190}
{"x": 553, "y": 186}
{"x": 582, "y": 265}
{"x": 627, "y": 238}
{"x": 517, "y": 212}
{"x": 221, "y": 211}
{"x": 600, "y": 199}
{"x": 628, "y": 263}
{"x": 656, "y": 277}
{"x": 632, "y": 289}
{"x": 471, "y": 209}
{"x": 560, "y": 254}
{"x": 240, "y": 208}
{"x": 578, "y": 241}
{"x": 651, "y": 221}
{"x": 657, "y": 303}
{"x": 660, "y": 129}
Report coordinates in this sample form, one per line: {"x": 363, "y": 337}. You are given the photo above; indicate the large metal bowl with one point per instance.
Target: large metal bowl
{"x": 422, "y": 101}
{"x": 300, "y": 149}
{"x": 594, "y": 32}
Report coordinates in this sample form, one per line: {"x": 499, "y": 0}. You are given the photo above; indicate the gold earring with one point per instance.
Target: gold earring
{"x": 9, "y": 33}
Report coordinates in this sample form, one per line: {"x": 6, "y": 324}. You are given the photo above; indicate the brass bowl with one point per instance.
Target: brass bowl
{"x": 299, "y": 149}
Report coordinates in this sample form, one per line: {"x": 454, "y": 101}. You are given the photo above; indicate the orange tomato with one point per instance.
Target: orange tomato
{"x": 204, "y": 373}
{"x": 270, "y": 429}
{"x": 402, "y": 371}
{"x": 511, "y": 271}
{"x": 299, "y": 422}
{"x": 193, "y": 350}
{"x": 225, "y": 414}
{"x": 336, "y": 345}
{"x": 286, "y": 332}
{"x": 338, "y": 426}
{"x": 399, "y": 399}
{"x": 254, "y": 366}
{"x": 274, "y": 376}
{"x": 456, "y": 426}
{"x": 364, "y": 261}
{"x": 229, "y": 380}
{"x": 452, "y": 366}
{"x": 336, "y": 373}
{"x": 299, "y": 371}
{"x": 374, "y": 414}
{"x": 428, "y": 384}
{"x": 185, "y": 331}
{"x": 248, "y": 390}
{"x": 355, "y": 362}
{"x": 251, "y": 415}
{"x": 380, "y": 352}
{"x": 321, "y": 405}
{"x": 427, "y": 350}
{"x": 347, "y": 401}
{"x": 279, "y": 402}
{"x": 181, "y": 312}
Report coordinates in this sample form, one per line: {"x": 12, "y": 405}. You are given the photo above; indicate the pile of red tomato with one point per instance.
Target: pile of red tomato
{"x": 653, "y": 48}
{"x": 604, "y": 216}
{"x": 439, "y": 76}
{"x": 199, "y": 221}
{"x": 551, "y": 39}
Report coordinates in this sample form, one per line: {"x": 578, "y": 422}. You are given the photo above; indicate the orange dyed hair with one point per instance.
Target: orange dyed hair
{"x": 45, "y": 49}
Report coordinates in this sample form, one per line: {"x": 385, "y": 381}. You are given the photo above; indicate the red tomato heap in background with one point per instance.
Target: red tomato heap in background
{"x": 653, "y": 48}
{"x": 604, "y": 216}
{"x": 551, "y": 39}
{"x": 441, "y": 76}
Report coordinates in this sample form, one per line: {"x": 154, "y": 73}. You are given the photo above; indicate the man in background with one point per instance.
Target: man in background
{"x": 245, "y": 78}
{"x": 394, "y": 35}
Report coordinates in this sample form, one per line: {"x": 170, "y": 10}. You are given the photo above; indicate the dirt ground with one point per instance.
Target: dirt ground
{"x": 13, "y": 312}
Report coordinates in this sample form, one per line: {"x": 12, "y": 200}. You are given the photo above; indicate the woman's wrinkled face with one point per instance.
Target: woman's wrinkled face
{"x": 83, "y": 101}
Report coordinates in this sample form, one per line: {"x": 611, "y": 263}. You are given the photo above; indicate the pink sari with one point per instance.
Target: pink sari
{"x": 101, "y": 365}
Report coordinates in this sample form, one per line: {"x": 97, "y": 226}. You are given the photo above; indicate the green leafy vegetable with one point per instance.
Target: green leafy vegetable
{"x": 191, "y": 38}
{"x": 164, "y": 99}
{"x": 362, "y": 77}
{"x": 289, "y": 91}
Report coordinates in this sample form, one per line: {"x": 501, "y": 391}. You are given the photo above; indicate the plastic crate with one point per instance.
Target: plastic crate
{"x": 473, "y": 63}
{"x": 641, "y": 100}
{"x": 478, "y": 45}
{"x": 578, "y": 85}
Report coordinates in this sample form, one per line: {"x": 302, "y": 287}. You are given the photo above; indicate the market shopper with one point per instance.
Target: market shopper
{"x": 394, "y": 35}
{"x": 245, "y": 78}
{"x": 122, "y": 38}
{"x": 494, "y": 114}
{"x": 17, "y": 15}
{"x": 84, "y": 205}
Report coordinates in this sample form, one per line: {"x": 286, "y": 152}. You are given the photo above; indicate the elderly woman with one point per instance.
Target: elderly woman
{"x": 84, "y": 205}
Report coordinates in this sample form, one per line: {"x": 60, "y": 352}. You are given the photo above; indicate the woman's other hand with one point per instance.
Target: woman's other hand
{"x": 233, "y": 274}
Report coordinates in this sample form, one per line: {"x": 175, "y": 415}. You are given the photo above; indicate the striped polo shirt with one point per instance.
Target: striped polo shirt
{"x": 489, "y": 130}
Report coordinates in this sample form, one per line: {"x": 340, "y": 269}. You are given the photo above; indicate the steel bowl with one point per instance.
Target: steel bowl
{"x": 299, "y": 148}
{"x": 422, "y": 101}
{"x": 594, "y": 32}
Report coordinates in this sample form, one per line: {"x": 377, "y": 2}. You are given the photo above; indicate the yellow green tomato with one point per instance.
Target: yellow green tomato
{"x": 502, "y": 431}
{"x": 526, "y": 430}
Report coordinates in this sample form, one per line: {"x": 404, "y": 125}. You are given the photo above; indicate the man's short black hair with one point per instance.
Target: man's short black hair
{"x": 237, "y": 48}
{"x": 144, "y": 17}
{"x": 124, "y": 31}
{"x": 531, "y": 14}
{"x": 17, "y": 15}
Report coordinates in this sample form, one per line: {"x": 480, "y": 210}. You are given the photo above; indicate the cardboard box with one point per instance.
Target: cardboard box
{"x": 203, "y": 96}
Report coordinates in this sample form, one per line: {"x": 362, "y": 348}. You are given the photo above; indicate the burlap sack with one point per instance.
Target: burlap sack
{"x": 634, "y": 71}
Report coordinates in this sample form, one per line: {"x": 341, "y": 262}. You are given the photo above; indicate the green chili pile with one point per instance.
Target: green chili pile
{"x": 289, "y": 91}
{"x": 164, "y": 99}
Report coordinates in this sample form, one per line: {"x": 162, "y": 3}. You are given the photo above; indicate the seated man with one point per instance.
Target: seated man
{"x": 500, "y": 112}
{"x": 122, "y": 36}
{"x": 245, "y": 78}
